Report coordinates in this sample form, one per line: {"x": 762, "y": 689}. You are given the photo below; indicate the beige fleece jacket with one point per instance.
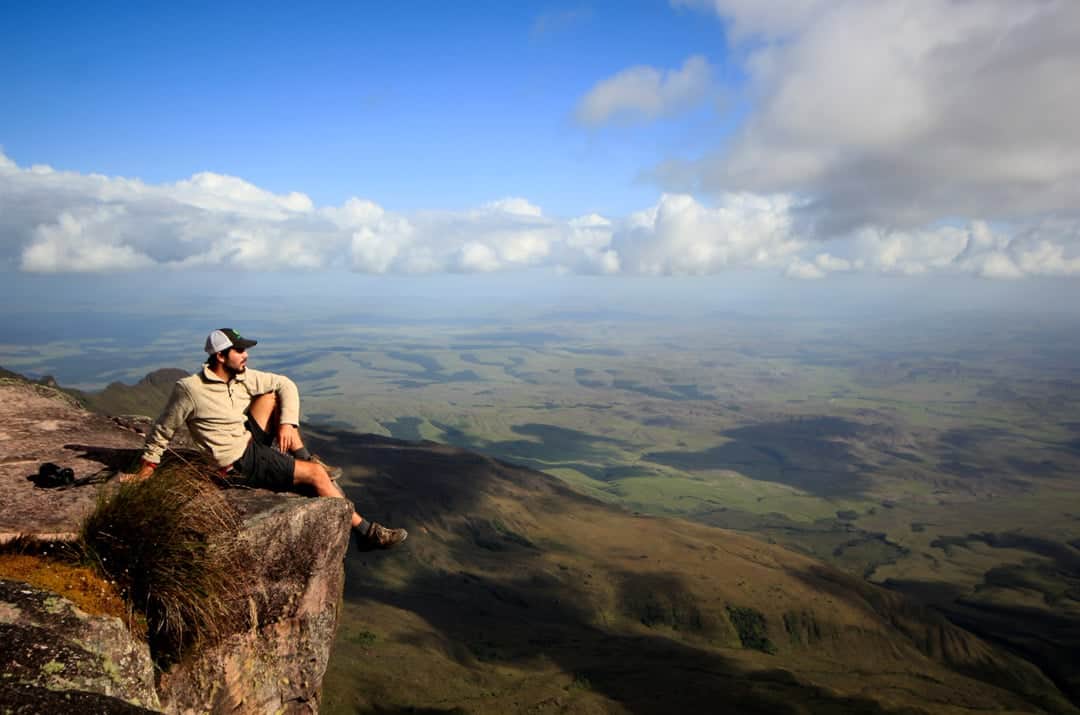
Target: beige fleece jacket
{"x": 215, "y": 411}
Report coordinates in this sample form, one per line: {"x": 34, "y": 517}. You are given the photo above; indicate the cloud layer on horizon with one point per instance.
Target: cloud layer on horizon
{"x": 57, "y": 221}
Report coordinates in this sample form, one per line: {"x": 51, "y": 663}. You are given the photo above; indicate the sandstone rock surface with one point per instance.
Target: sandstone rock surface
{"x": 51, "y": 648}
{"x": 39, "y": 424}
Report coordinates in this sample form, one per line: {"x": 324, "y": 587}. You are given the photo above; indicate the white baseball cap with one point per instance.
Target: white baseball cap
{"x": 225, "y": 338}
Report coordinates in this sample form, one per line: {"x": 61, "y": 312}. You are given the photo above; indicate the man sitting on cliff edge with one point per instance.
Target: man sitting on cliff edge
{"x": 247, "y": 421}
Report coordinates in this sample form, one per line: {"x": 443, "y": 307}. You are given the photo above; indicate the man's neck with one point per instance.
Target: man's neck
{"x": 223, "y": 372}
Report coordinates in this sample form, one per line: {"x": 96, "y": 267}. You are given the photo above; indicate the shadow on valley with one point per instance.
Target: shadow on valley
{"x": 496, "y": 593}
{"x": 547, "y": 446}
{"x": 810, "y": 453}
{"x": 586, "y": 377}
{"x": 525, "y": 620}
{"x": 1000, "y": 608}
{"x": 952, "y": 641}
{"x": 430, "y": 371}
{"x": 836, "y": 541}
{"x": 1051, "y": 641}
{"x": 406, "y": 428}
{"x": 533, "y": 614}
{"x": 425, "y": 482}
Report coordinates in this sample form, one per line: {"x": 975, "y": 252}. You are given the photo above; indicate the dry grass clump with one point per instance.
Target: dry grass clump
{"x": 170, "y": 543}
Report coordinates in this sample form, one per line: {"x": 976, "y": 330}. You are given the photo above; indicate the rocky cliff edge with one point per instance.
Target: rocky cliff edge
{"x": 274, "y": 654}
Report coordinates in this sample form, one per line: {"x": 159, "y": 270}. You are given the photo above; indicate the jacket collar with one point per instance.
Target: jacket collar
{"x": 209, "y": 376}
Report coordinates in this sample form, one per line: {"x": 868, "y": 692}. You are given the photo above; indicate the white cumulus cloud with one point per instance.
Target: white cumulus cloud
{"x": 54, "y": 221}
{"x": 680, "y": 236}
{"x": 478, "y": 257}
{"x": 81, "y": 241}
{"x": 903, "y": 113}
{"x": 1047, "y": 249}
{"x": 645, "y": 92}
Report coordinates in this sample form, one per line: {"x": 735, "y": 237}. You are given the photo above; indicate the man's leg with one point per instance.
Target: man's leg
{"x": 314, "y": 475}
{"x": 266, "y": 413}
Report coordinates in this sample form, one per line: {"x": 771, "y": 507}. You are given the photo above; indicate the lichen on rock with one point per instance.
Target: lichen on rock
{"x": 50, "y": 644}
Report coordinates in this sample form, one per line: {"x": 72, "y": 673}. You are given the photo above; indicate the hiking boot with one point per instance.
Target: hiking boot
{"x": 379, "y": 537}
{"x": 334, "y": 472}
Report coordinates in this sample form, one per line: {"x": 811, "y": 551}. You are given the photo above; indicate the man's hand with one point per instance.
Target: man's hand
{"x": 288, "y": 438}
{"x": 145, "y": 470}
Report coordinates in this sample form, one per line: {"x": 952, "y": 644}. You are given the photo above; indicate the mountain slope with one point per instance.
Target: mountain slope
{"x": 516, "y": 594}
{"x": 146, "y": 397}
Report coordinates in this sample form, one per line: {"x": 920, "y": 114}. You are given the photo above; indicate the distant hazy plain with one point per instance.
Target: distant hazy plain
{"x": 922, "y": 435}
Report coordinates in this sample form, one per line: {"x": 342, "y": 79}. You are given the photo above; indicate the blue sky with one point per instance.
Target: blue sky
{"x": 802, "y": 140}
{"x": 416, "y": 105}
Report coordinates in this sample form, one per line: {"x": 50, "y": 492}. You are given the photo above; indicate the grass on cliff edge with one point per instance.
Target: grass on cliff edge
{"x": 170, "y": 543}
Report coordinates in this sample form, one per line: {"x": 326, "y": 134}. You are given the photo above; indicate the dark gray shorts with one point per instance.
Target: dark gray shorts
{"x": 262, "y": 465}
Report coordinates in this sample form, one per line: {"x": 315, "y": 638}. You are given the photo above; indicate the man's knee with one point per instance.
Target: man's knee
{"x": 310, "y": 473}
{"x": 267, "y": 402}
{"x": 264, "y": 409}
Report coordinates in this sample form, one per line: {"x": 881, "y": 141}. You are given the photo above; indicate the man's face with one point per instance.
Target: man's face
{"x": 236, "y": 361}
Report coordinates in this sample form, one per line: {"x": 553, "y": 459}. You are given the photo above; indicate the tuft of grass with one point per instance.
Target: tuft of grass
{"x": 170, "y": 543}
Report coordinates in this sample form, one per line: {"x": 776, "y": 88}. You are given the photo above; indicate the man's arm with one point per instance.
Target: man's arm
{"x": 176, "y": 412}
{"x": 288, "y": 399}
{"x": 288, "y": 396}
{"x": 288, "y": 438}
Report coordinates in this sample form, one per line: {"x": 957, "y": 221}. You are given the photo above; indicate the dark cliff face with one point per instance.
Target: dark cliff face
{"x": 274, "y": 658}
